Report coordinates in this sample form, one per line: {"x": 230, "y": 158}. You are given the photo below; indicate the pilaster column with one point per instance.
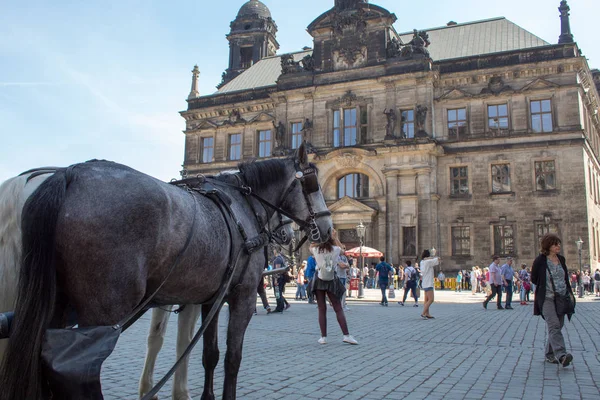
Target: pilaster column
{"x": 392, "y": 231}
{"x": 426, "y": 229}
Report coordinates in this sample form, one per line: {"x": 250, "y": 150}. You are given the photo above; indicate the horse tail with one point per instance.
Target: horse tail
{"x": 20, "y": 372}
{"x": 13, "y": 194}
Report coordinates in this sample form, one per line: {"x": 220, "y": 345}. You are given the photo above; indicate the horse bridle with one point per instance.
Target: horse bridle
{"x": 307, "y": 178}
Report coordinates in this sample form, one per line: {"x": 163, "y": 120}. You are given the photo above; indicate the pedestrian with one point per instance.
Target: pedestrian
{"x": 495, "y": 282}
{"x": 341, "y": 269}
{"x": 597, "y": 282}
{"x": 442, "y": 278}
{"x": 553, "y": 297}
{"x": 508, "y": 275}
{"x": 309, "y": 274}
{"x": 326, "y": 284}
{"x": 459, "y": 282}
{"x": 411, "y": 279}
{"x": 475, "y": 279}
{"x": 279, "y": 282}
{"x": 400, "y": 276}
{"x": 353, "y": 275}
{"x": 371, "y": 277}
{"x": 427, "y": 269}
{"x": 384, "y": 270}
{"x": 365, "y": 276}
{"x": 585, "y": 279}
{"x": 467, "y": 280}
{"x": 263, "y": 296}
{"x": 525, "y": 279}
{"x": 300, "y": 290}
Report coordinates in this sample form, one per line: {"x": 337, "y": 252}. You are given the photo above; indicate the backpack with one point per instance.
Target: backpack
{"x": 414, "y": 275}
{"x": 327, "y": 268}
{"x": 597, "y": 276}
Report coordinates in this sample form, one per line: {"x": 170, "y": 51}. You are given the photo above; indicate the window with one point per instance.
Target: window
{"x": 461, "y": 241}
{"x": 407, "y": 118}
{"x": 498, "y": 116}
{"x": 500, "y": 178}
{"x": 296, "y": 134}
{"x": 459, "y": 181}
{"x": 541, "y": 116}
{"x": 265, "y": 143}
{"x": 545, "y": 175}
{"x": 345, "y": 127}
{"x": 409, "y": 240}
{"x": 504, "y": 240}
{"x": 208, "y": 149}
{"x": 235, "y": 146}
{"x": 542, "y": 228}
{"x": 457, "y": 123}
{"x": 246, "y": 57}
{"x": 353, "y": 185}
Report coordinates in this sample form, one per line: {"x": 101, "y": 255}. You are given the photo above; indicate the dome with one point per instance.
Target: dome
{"x": 254, "y": 7}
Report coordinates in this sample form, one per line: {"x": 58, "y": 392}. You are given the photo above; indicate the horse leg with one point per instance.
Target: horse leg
{"x": 210, "y": 352}
{"x": 156, "y": 336}
{"x": 241, "y": 308}
{"x": 186, "y": 324}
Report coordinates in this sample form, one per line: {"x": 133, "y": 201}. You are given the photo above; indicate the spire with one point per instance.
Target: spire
{"x": 565, "y": 27}
{"x": 195, "y": 77}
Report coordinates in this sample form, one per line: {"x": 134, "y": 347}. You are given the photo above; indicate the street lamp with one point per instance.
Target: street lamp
{"x": 579, "y": 285}
{"x": 360, "y": 231}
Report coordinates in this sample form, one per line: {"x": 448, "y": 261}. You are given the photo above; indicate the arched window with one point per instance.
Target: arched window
{"x": 353, "y": 185}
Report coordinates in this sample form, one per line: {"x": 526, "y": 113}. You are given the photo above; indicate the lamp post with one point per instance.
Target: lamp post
{"x": 360, "y": 231}
{"x": 579, "y": 285}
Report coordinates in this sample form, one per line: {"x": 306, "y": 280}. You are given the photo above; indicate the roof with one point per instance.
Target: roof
{"x": 254, "y": 7}
{"x": 475, "y": 38}
{"x": 263, "y": 73}
{"x": 447, "y": 42}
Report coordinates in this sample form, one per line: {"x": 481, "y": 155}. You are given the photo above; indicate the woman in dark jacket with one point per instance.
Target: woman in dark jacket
{"x": 550, "y": 293}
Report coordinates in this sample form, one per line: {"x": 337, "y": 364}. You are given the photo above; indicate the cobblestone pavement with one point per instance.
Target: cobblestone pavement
{"x": 465, "y": 353}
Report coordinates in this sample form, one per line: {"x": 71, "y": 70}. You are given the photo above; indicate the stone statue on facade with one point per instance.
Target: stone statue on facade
{"x": 417, "y": 46}
{"x": 308, "y": 63}
{"x": 280, "y": 136}
{"x": 390, "y": 127}
{"x": 307, "y": 131}
{"x": 288, "y": 65}
{"x": 420, "y": 120}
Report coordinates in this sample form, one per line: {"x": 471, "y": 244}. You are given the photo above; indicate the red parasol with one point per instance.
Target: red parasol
{"x": 367, "y": 252}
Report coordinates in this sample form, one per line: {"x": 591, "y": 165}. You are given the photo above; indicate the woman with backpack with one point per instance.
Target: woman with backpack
{"x": 326, "y": 284}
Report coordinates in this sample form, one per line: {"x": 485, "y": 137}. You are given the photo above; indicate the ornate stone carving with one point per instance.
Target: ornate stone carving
{"x": 308, "y": 63}
{"x": 288, "y": 65}
{"x": 390, "y": 127}
{"x": 349, "y": 36}
{"x": 235, "y": 117}
{"x": 348, "y": 160}
{"x": 420, "y": 119}
{"x": 348, "y": 98}
{"x": 496, "y": 86}
{"x": 416, "y": 47}
{"x": 279, "y": 135}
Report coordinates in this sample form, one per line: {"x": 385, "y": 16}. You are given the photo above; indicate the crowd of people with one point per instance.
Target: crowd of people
{"x": 323, "y": 278}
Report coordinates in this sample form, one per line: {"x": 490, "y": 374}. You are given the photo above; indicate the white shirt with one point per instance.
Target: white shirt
{"x": 320, "y": 257}
{"x": 427, "y": 272}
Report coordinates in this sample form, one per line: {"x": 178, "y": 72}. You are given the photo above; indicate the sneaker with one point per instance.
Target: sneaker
{"x": 386, "y": 303}
{"x": 566, "y": 360}
{"x": 551, "y": 360}
{"x": 287, "y": 306}
{"x": 430, "y": 317}
{"x": 401, "y": 303}
{"x": 346, "y": 309}
{"x": 269, "y": 311}
{"x": 416, "y": 305}
{"x": 508, "y": 308}
{"x": 484, "y": 305}
{"x": 423, "y": 316}
{"x": 500, "y": 308}
{"x": 349, "y": 339}
{"x": 323, "y": 340}
{"x": 381, "y": 303}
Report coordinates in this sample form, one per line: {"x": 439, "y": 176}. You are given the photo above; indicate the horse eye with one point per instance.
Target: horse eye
{"x": 299, "y": 175}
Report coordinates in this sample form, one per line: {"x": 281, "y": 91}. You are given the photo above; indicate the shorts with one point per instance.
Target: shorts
{"x": 428, "y": 289}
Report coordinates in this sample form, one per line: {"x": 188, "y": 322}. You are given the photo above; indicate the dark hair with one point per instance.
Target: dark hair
{"x": 408, "y": 263}
{"x": 425, "y": 253}
{"x": 549, "y": 240}
{"x": 495, "y": 257}
{"x": 382, "y": 258}
{"x": 325, "y": 247}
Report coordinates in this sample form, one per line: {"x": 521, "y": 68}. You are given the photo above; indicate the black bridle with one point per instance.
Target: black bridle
{"x": 307, "y": 178}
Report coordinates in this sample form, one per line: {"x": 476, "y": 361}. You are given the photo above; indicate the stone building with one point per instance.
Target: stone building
{"x": 473, "y": 138}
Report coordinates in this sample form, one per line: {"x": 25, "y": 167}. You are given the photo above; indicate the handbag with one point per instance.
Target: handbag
{"x": 391, "y": 292}
{"x": 564, "y": 303}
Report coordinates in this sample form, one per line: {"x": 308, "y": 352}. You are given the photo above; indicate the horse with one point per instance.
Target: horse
{"x": 13, "y": 194}
{"x": 186, "y": 321}
{"x": 102, "y": 239}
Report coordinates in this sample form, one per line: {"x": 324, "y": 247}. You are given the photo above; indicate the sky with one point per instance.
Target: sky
{"x": 107, "y": 79}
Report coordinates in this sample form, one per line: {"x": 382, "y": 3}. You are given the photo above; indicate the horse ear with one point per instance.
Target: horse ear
{"x": 301, "y": 155}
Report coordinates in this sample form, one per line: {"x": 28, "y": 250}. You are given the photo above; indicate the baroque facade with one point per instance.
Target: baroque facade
{"x": 474, "y": 148}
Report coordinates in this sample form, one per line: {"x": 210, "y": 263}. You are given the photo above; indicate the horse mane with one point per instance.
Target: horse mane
{"x": 262, "y": 173}
{"x": 258, "y": 174}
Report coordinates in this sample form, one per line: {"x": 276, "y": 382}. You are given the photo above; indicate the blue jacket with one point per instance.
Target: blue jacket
{"x": 311, "y": 266}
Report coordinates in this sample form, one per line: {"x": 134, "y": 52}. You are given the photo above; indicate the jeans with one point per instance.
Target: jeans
{"x": 300, "y": 291}
{"x": 412, "y": 286}
{"x": 509, "y": 294}
{"x": 383, "y": 286}
{"x": 371, "y": 283}
{"x": 311, "y": 297}
{"x": 496, "y": 290}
